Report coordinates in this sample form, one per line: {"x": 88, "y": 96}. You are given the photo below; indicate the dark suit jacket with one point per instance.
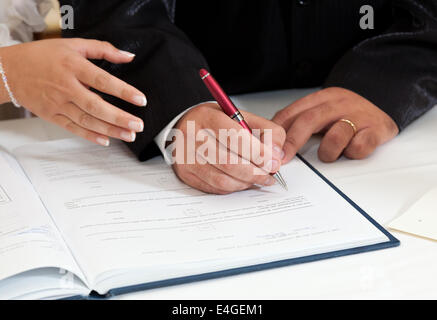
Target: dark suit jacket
{"x": 253, "y": 45}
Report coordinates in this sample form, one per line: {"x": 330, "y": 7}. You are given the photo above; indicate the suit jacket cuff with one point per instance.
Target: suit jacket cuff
{"x": 391, "y": 84}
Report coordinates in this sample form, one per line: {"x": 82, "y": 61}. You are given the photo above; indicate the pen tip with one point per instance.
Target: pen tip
{"x": 280, "y": 180}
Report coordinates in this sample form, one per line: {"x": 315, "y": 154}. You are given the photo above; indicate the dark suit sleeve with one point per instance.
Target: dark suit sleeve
{"x": 165, "y": 67}
{"x": 397, "y": 70}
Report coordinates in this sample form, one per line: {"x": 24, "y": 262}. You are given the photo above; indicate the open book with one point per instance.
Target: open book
{"x": 78, "y": 219}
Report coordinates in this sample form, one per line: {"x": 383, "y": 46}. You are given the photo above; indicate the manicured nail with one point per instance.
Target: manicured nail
{"x": 130, "y": 55}
{"x": 140, "y": 100}
{"x": 272, "y": 166}
{"x": 269, "y": 181}
{"x": 103, "y": 141}
{"x": 128, "y": 136}
{"x": 136, "y": 126}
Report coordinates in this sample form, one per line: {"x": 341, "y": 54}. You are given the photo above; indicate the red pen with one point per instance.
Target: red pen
{"x": 231, "y": 110}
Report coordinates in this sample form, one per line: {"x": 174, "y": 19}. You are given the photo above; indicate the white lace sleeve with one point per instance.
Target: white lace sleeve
{"x": 19, "y": 19}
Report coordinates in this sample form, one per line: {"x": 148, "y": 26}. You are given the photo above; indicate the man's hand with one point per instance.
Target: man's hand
{"x": 214, "y": 172}
{"x": 322, "y": 111}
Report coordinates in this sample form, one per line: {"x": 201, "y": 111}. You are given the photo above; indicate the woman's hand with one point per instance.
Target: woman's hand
{"x": 51, "y": 78}
{"x": 322, "y": 112}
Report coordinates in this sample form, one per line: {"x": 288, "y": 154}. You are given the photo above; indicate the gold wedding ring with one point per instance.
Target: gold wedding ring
{"x": 351, "y": 124}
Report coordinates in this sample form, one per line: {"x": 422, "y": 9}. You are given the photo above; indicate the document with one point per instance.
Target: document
{"x": 127, "y": 222}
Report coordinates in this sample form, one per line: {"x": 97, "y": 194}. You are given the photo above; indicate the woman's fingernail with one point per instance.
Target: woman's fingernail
{"x": 272, "y": 166}
{"x": 269, "y": 181}
{"x": 137, "y": 126}
{"x": 140, "y": 100}
{"x": 103, "y": 141}
{"x": 130, "y": 55}
{"x": 128, "y": 136}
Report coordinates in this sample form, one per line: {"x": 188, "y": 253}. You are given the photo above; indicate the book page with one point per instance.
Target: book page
{"x": 42, "y": 283}
{"x": 28, "y": 238}
{"x": 118, "y": 213}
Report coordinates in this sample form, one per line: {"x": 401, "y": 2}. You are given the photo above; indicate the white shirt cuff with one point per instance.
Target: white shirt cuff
{"x": 161, "y": 138}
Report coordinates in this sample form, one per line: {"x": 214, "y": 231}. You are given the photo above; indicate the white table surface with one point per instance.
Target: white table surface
{"x": 384, "y": 185}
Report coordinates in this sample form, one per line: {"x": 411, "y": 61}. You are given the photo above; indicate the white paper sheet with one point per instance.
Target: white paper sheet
{"x": 421, "y": 218}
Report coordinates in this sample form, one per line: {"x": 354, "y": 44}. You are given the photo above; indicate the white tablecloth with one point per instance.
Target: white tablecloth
{"x": 384, "y": 185}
